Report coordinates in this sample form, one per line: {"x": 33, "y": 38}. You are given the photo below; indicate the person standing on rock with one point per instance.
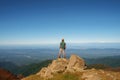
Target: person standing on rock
{"x": 62, "y": 49}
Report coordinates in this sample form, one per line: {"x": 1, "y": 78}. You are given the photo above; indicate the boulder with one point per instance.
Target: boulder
{"x": 45, "y": 72}
{"x": 75, "y": 64}
{"x": 57, "y": 66}
{"x": 91, "y": 75}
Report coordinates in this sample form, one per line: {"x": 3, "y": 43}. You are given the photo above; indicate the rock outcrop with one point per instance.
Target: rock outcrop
{"x": 94, "y": 74}
{"x": 57, "y": 66}
{"x": 75, "y": 64}
{"x": 62, "y": 65}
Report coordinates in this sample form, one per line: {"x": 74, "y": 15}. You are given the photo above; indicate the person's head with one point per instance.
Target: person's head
{"x": 62, "y": 39}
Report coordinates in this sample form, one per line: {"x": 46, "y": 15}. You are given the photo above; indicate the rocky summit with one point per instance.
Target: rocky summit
{"x": 62, "y": 65}
{"x": 72, "y": 69}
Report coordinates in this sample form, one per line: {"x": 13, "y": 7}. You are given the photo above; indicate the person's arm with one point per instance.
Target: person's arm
{"x": 60, "y": 45}
{"x": 65, "y": 45}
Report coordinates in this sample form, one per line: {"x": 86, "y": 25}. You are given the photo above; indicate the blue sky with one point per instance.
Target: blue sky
{"x": 47, "y": 21}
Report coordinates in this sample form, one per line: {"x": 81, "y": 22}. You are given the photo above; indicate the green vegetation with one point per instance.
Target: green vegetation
{"x": 34, "y": 77}
{"x": 97, "y": 66}
{"x": 113, "y": 61}
{"x": 32, "y": 68}
{"x": 26, "y": 69}
{"x": 66, "y": 76}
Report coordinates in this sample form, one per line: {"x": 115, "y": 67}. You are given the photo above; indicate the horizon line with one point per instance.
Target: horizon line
{"x": 4, "y": 44}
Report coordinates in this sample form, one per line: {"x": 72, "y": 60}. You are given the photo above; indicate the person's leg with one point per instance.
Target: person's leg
{"x": 64, "y": 54}
{"x": 59, "y": 54}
